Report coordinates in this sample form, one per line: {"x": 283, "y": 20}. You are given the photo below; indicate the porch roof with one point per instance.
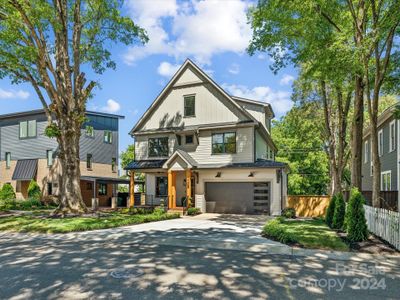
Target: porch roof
{"x": 107, "y": 179}
{"x": 25, "y": 169}
{"x": 145, "y": 164}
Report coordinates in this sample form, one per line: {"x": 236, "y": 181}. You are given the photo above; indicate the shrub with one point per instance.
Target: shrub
{"x": 339, "y": 213}
{"x": 7, "y": 192}
{"x": 193, "y": 211}
{"x": 159, "y": 210}
{"x": 10, "y": 204}
{"x": 34, "y": 190}
{"x": 289, "y": 213}
{"x": 330, "y": 211}
{"x": 274, "y": 230}
{"x": 356, "y": 224}
{"x": 29, "y": 204}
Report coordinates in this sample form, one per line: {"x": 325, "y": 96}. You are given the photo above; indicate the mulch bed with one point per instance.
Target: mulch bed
{"x": 374, "y": 245}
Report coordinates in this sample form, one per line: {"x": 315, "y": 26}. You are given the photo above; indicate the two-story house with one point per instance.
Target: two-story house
{"x": 198, "y": 144}
{"x": 26, "y": 154}
{"x": 389, "y": 153}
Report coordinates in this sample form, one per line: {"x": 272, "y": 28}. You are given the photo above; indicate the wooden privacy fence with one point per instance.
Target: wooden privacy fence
{"x": 384, "y": 223}
{"x": 308, "y": 206}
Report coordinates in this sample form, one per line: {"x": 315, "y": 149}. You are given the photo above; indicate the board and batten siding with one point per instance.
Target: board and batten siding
{"x": 388, "y": 159}
{"x": 202, "y": 151}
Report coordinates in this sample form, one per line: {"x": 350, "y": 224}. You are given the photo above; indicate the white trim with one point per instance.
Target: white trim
{"x": 380, "y": 139}
{"x": 389, "y": 188}
{"x": 366, "y": 152}
{"x": 398, "y": 161}
{"x": 392, "y": 146}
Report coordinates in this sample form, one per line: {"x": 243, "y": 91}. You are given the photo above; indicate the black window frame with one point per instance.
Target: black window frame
{"x": 114, "y": 164}
{"x": 189, "y": 136}
{"x": 224, "y": 144}
{"x": 157, "y": 187}
{"x": 47, "y": 157}
{"x": 89, "y": 161}
{"x": 108, "y": 137}
{"x": 89, "y": 131}
{"x": 192, "y": 108}
{"x": 28, "y": 135}
{"x": 8, "y": 162}
{"x": 102, "y": 190}
{"x": 155, "y": 142}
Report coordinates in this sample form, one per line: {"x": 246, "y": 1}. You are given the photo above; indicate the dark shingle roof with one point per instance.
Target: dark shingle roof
{"x": 25, "y": 169}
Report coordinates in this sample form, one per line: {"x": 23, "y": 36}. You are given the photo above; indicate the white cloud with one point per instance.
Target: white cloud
{"x": 13, "y": 94}
{"x": 279, "y": 100}
{"x": 111, "y": 107}
{"x": 286, "y": 79}
{"x": 234, "y": 69}
{"x": 166, "y": 69}
{"x": 199, "y": 29}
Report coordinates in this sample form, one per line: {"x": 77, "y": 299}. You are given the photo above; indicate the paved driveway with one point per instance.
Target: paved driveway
{"x": 190, "y": 258}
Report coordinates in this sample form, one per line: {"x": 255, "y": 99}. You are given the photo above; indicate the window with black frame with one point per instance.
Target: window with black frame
{"x": 161, "y": 186}
{"x": 158, "y": 147}
{"x": 102, "y": 189}
{"x": 189, "y": 103}
{"x": 224, "y": 143}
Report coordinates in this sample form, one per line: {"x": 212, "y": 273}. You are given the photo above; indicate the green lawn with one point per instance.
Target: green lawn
{"x": 308, "y": 233}
{"x": 44, "y": 224}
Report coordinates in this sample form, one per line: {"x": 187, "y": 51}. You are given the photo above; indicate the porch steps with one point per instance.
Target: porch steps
{"x": 179, "y": 210}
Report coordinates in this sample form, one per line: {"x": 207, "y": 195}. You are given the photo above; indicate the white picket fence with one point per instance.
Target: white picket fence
{"x": 384, "y": 223}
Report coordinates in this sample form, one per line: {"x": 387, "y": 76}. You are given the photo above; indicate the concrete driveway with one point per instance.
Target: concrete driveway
{"x": 187, "y": 258}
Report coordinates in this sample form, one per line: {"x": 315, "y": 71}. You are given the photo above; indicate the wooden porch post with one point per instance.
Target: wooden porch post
{"x": 170, "y": 200}
{"x": 188, "y": 186}
{"x": 132, "y": 190}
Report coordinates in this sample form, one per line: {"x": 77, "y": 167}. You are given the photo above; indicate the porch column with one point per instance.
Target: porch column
{"x": 171, "y": 189}
{"x": 188, "y": 186}
{"x": 132, "y": 190}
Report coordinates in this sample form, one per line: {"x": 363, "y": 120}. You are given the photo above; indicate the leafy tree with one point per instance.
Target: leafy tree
{"x": 356, "y": 224}
{"x": 298, "y": 136}
{"x": 339, "y": 213}
{"x": 7, "y": 192}
{"x": 127, "y": 156}
{"x": 34, "y": 190}
{"x": 49, "y": 44}
{"x": 330, "y": 211}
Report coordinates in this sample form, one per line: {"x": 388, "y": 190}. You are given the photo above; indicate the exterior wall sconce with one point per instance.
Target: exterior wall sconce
{"x": 251, "y": 174}
{"x": 218, "y": 174}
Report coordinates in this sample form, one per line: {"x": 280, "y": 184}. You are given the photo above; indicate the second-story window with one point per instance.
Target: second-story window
{"x": 8, "y": 160}
{"x": 49, "y": 155}
{"x": 392, "y": 136}
{"x": 189, "y": 139}
{"x": 189, "y": 109}
{"x": 224, "y": 142}
{"x": 89, "y": 161}
{"x": 108, "y": 137}
{"x": 89, "y": 131}
{"x": 366, "y": 152}
{"x": 113, "y": 164}
{"x": 158, "y": 147}
{"x": 27, "y": 129}
{"x": 380, "y": 142}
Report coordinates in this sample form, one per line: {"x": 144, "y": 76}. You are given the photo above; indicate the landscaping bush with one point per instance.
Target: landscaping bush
{"x": 8, "y": 204}
{"x": 159, "y": 210}
{"x": 34, "y": 190}
{"x": 289, "y": 213}
{"x": 330, "y": 211}
{"x": 339, "y": 213}
{"x": 7, "y": 192}
{"x": 356, "y": 224}
{"x": 29, "y": 204}
{"x": 193, "y": 211}
{"x": 275, "y": 231}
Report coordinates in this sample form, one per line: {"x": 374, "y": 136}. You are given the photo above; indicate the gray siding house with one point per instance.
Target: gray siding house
{"x": 26, "y": 154}
{"x": 389, "y": 152}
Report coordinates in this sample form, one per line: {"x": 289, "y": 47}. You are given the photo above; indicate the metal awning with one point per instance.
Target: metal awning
{"x": 106, "y": 179}
{"x": 25, "y": 169}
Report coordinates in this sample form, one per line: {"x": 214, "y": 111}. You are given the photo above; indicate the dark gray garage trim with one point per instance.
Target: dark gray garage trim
{"x": 238, "y": 197}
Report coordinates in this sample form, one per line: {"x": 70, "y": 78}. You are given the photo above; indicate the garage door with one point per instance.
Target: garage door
{"x": 238, "y": 197}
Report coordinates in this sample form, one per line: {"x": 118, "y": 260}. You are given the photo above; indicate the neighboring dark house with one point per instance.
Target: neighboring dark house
{"x": 26, "y": 153}
{"x": 389, "y": 151}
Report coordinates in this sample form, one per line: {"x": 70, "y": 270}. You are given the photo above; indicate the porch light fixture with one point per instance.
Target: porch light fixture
{"x": 251, "y": 174}
{"x": 218, "y": 174}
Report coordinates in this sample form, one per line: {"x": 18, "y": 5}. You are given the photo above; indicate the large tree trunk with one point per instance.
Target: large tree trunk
{"x": 376, "y": 178}
{"x": 70, "y": 192}
{"x": 357, "y": 133}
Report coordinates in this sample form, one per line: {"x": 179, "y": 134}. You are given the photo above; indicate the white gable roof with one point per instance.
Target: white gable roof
{"x": 190, "y": 74}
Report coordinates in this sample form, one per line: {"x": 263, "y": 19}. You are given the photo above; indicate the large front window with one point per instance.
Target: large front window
{"x": 158, "y": 147}
{"x": 27, "y": 129}
{"x": 102, "y": 189}
{"x": 224, "y": 142}
{"x": 161, "y": 186}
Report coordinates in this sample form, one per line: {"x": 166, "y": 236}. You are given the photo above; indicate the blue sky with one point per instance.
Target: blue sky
{"x": 213, "y": 33}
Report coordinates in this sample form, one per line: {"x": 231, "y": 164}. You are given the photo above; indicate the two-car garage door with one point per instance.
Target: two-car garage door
{"x": 238, "y": 197}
